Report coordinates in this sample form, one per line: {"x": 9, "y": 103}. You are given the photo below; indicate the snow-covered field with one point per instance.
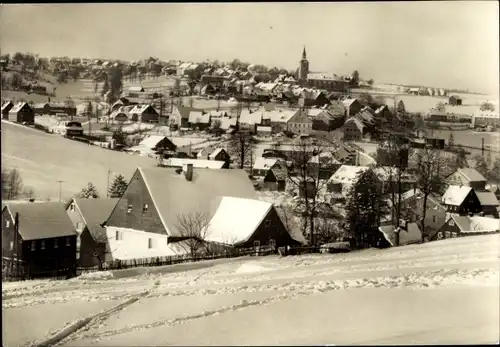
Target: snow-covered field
{"x": 440, "y": 292}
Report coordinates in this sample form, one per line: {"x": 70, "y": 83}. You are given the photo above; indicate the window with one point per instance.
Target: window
{"x": 434, "y": 219}
{"x": 454, "y": 234}
{"x": 72, "y": 207}
{"x": 79, "y": 226}
{"x": 267, "y": 223}
{"x": 7, "y": 224}
{"x": 145, "y": 208}
{"x": 440, "y": 235}
{"x": 118, "y": 235}
{"x": 55, "y": 243}
{"x": 448, "y": 234}
{"x": 42, "y": 244}
{"x": 68, "y": 242}
{"x": 33, "y": 245}
{"x": 256, "y": 243}
{"x": 11, "y": 245}
{"x": 150, "y": 243}
{"x": 272, "y": 242}
{"x": 452, "y": 223}
{"x": 129, "y": 208}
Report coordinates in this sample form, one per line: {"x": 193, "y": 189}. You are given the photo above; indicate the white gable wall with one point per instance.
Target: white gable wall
{"x": 134, "y": 244}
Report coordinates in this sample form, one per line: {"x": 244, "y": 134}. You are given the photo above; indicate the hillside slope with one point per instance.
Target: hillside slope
{"x": 43, "y": 159}
{"x": 442, "y": 292}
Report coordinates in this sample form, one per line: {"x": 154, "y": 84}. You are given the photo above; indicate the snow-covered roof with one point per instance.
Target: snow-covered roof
{"x": 236, "y": 219}
{"x": 151, "y": 141}
{"x": 487, "y": 199}
{"x": 17, "y": 107}
{"x": 472, "y": 175}
{"x": 197, "y": 163}
{"x": 264, "y": 163}
{"x": 197, "y": 117}
{"x": 357, "y": 122}
{"x": 411, "y": 235}
{"x": 139, "y": 109}
{"x": 455, "y": 195}
{"x": 248, "y": 117}
{"x": 483, "y": 224}
{"x": 216, "y": 152}
{"x": 348, "y": 102}
{"x": 325, "y": 157}
{"x": 347, "y": 174}
{"x": 279, "y": 115}
{"x": 227, "y": 122}
{"x": 264, "y": 129}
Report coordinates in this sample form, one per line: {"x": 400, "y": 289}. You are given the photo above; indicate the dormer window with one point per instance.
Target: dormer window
{"x": 145, "y": 208}
{"x": 129, "y": 208}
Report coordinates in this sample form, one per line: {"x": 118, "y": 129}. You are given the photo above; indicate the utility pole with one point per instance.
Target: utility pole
{"x": 60, "y": 189}
{"x": 107, "y": 186}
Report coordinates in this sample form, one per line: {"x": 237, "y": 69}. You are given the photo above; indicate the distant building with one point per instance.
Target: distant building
{"x": 353, "y": 129}
{"x": 22, "y": 113}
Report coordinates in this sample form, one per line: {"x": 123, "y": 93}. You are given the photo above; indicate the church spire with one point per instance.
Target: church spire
{"x": 304, "y": 53}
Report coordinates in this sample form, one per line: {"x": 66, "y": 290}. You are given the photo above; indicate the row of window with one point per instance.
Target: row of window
{"x": 448, "y": 235}
{"x": 42, "y": 244}
{"x": 145, "y": 208}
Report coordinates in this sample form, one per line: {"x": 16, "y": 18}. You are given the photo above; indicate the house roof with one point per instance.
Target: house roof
{"x": 216, "y": 152}
{"x": 95, "y": 212}
{"x": 264, "y": 163}
{"x": 476, "y": 224}
{"x": 288, "y": 220}
{"x": 151, "y": 141}
{"x": 347, "y": 174}
{"x": 472, "y": 175}
{"x": 300, "y": 118}
{"x": 325, "y": 157}
{"x": 279, "y": 172}
{"x": 42, "y": 220}
{"x": 487, "y": 199}
{"x": 264, "y": 129}
{"x": 227, "y": 122}
{"x": 349, "y": 102}
{"x": 139, "y": 109}
{"x": 411, "y": 235}
{"x": 357, "y": 122}
{"x": 197, "y": 117}
{"x": 336, "y": 108}
{"x": 6, "y": 105}
{"x": 248, "y": 117}
{"x": 136, "y": 89}
{"x": 18, "y": 107}
{"x": 197, "y": 163}
{"x": 173, "y": 195}
{"x": 184, "y": 111}
{"x": 279, "y": 116}
{"x": 455, "y": 195}
{"x": 236, "y": 219}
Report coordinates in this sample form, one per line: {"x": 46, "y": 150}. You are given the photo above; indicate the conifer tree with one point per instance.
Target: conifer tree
{"x": 118, "y": 187}
{"x": 89, "y": 192}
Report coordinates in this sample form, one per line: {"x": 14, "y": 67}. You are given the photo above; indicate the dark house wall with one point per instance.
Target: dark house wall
{"x": 8, "y": 237}
{"x": 137, "y": 196}
{"x": 149, "y": 115}
{"x": 26, "y": 115}
{"x": 44, "y": 261}
{"x": 87, "y": 248}
{"x": 271, "y": 228}
{"x": 166, "y": 144}
{"x": 447, "y": 231}
{"x": 470, "y": 204}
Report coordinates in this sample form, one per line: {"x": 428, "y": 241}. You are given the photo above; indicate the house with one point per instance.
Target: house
{"x": 6, "y": 107}
{"x": 156, "y": 143}
{"x": 458, "y": 226}
{"x": 389, "y": 176}
{"x": 489, "y": 203}
{"x": 263, "y": 165}
{"x": 486, "y": 118}
{"x": 74, "y": 128}
{"x": 278, "y": 119}
{"x": 323, "y": 121}
{"x": 353, "y": 129}
{"x": 344, "y": 178}
{"x": 326, "y": 163}
{"x": 300, "y": 123}
{"x": 87, "y": 216}
{"x": 180, "y": 116}
{"x": 220, "y": 154}
{"x": 144, "y": 114}
{"x": 405, "y": 234}
{"x": 469, "y": 177}
{"x": 135, "y": 89}
{"x": 352, "y": 106}
{"x": 145, "y": 221}
{"x": 461, "y": 200}
{"x": 275, "y": 179}
{"x": 199, "y": 119}
{"x": 455, "y": 100}
{"x": 22, "y": 113}
{"x": 311, "y": 98}
{"x": 242, "y": 222}
{"x": 383, "y": 116}
{"x": 224, "y": 123}
{"x": 264, "y": 131}
{"x": 250, "y": 119}
{"x": 44, "y": 240}
{"x": 197, "y": 163}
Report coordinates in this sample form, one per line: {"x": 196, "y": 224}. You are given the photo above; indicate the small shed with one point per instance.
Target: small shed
{"x": 22, "y": 113}
{"x": 455, "y": 100}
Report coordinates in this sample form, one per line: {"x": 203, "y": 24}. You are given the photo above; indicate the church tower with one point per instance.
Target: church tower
{"x": 304, "y": 66}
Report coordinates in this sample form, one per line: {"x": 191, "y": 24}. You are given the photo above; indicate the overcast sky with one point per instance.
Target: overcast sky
{"x": 441, "y": 44}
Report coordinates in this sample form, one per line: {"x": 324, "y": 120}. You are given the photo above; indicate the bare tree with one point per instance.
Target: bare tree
{"x": 304, "y": 174}
{"x": 430, "y": 165}
{"x": 194, "y": 229}
{"x": 241, "y": 146}
{"x": 12, "y": 184}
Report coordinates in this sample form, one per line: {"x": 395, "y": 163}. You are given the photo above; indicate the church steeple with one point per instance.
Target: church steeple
{"x": 304, "y": 66}
{"x": 304, "y": 56}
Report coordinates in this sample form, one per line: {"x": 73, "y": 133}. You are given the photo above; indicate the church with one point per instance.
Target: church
{"x": 320, "y": 80}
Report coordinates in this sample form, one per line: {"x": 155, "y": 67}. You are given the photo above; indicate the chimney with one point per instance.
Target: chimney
{"x": 188, "y": 172}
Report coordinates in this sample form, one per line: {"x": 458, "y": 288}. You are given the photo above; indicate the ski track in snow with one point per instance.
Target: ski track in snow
{"x": 472, "y": 261}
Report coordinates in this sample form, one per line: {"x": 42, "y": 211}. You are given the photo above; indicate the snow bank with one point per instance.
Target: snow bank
{"x": 99, "y": 275}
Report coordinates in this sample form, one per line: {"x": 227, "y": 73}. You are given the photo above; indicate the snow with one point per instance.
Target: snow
{"x": 455, "y": 195}
{"x": 236, "y": 219}
{"x": 438, "y": 292}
